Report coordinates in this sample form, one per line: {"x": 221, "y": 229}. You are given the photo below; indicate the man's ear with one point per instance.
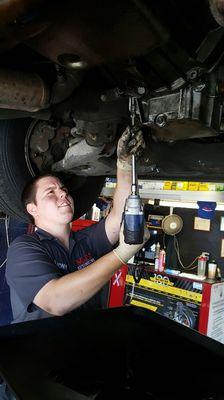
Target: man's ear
{"x": 32, "y": 209}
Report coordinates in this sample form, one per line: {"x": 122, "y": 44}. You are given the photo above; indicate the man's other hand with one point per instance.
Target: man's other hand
{"x": 126, "y": 251}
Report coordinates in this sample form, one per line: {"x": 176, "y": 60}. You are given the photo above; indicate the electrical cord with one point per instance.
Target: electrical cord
{"x": 3, "y": 263}
{"x": 164, "y": 240}
{"x": 177, "y": 249}
{"x": 7, "y": 220}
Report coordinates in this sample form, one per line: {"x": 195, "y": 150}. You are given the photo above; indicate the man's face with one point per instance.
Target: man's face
{"x": 53, "y": 203}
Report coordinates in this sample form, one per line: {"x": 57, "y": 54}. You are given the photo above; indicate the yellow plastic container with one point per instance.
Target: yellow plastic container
{"x": 182, "y": 186}
{"x": 193, "y": 186}
{"x": 203, "y": 187}
{"x": 167, "y": 185}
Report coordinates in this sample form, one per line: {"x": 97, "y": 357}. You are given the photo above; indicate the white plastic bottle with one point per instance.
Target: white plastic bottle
{"x": 212, "y": 266}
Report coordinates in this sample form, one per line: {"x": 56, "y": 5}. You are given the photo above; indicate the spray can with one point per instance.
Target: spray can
{"x": 202, "y": 265}
{"x": 157, "y": 251}
{"x": 162, "y": 260}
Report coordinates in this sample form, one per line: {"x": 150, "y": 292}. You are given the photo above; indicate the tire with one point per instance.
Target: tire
{"x": 185, "y": 316}
{"x": 15, "y": 174}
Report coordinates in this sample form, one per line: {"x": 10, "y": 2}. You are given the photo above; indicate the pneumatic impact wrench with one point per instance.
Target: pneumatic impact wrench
{"x": 133, "y": 212}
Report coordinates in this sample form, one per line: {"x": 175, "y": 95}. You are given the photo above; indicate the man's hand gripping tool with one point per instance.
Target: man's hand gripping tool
{"x": 133, "y": 213}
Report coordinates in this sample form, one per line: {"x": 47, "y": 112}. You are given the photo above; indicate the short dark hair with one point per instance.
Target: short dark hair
{"x": 29, "y": 193}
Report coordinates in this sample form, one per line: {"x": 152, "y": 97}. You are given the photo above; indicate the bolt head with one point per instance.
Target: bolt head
{"x": 160, "y": 120}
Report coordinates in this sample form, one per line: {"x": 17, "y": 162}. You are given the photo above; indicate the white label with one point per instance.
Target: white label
{"x": 197, "y": 285}
{"x": 202, "y": 224}
{"x": 216, "y": 313}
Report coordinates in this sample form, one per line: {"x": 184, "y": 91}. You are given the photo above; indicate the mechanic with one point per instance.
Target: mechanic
{"x": 54, "y": 271}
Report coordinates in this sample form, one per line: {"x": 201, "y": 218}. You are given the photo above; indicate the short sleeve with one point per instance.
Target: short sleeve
{"x": 96, "y": 237}
{"x": 29, "y": 268}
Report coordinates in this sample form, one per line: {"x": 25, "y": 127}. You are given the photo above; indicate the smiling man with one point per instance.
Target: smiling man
{"x": 54, "y": 271}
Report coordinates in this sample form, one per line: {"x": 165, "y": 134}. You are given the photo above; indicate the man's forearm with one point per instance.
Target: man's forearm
{"x": 126, "y": 147}
{"x": 63, "y": 295}
{"x": 122, "y": 191}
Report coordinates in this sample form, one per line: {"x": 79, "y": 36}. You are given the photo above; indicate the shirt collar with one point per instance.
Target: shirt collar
{"x": 44, "y": 234}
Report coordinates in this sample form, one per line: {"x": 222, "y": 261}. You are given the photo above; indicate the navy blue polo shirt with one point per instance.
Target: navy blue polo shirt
{"x": 35, "y": 259}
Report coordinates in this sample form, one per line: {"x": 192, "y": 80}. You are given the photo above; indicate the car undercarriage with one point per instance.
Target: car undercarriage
{"x": 68, "y": 70}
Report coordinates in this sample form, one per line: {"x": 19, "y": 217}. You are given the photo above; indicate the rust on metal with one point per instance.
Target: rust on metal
{"x": 21, "y": 91}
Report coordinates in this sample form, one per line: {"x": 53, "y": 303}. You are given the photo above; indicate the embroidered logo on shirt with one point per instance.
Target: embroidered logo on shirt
{"x": 61, "y": 265}
{"x": 85, "y": 260}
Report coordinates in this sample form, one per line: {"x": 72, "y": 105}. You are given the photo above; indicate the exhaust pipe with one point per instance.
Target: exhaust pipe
{"x": 28, "y": 92}
{"x": 23, "y": 91}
